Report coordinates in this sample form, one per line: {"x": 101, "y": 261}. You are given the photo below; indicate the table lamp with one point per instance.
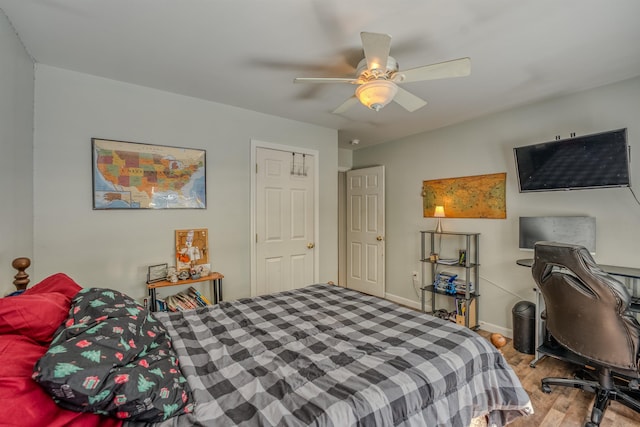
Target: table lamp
{"x": 439, "y": 213}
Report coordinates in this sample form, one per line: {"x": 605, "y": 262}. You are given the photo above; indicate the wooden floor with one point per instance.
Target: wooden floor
{"x": 564, "y": 406}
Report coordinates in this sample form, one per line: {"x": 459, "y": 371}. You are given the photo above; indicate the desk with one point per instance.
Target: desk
{"x": 214, "y": 278}
{"x": 630, "y": 275}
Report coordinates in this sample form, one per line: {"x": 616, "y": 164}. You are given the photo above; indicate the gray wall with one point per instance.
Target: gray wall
{"x": 114, "y": 248}
{"x": 16, "y": 152}
{"x": 485, "y": 146}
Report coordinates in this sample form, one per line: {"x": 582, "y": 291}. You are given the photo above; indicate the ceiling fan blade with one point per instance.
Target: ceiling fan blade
{"x": 324, "y": 80}
{"x": 346, "y": 105}
{"x": 443, "y": 70}
{"x": 376, "y": 49}
{"x": 409, "y": 101}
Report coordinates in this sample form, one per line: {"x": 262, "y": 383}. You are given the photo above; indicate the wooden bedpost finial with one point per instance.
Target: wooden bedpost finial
{"x": 21, "y": 279}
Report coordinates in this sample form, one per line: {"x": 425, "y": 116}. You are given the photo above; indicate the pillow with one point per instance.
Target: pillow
{"x": 24, "y": 402}
{"x": 111, "y": 356}
{"x": 58, "y": 282}
{"x": 40, "y": 310}
{"x": 35, "y": 316}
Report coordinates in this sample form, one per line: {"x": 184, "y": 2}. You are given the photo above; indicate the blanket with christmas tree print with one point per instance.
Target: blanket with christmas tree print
{"x": 112, "y": 357}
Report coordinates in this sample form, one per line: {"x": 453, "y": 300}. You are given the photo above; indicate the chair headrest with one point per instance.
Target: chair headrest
{"x": 576, "y": 260}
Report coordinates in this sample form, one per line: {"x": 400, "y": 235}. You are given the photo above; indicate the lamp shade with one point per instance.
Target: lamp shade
{"x": 439, "y": 212}
{"x": 376, "y": 93}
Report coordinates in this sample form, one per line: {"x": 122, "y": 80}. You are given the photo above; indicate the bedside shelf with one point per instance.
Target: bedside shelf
{"x": 216, "y": 285}
{"x": 467, "y": 302}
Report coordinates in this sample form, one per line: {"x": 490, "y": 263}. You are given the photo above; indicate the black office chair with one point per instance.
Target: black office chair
{"x": 587, "y": 313}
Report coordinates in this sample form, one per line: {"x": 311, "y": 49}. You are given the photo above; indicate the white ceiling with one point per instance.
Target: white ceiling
{"x": 246, "y": 53}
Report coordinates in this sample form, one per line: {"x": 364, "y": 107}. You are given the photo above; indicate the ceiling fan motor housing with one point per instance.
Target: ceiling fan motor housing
{"x": 376, "y": 87}
{"x": 365, "y": 74}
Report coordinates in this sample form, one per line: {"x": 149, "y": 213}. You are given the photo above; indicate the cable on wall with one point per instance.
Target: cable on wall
{"x": 504, "y": 289}
{"x": 634, "y": 195}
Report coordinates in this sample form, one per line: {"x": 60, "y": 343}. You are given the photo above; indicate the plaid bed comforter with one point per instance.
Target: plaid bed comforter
{"x": 328, "y": 356}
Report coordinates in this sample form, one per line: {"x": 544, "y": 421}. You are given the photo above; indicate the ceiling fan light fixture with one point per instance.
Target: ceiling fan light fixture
{"x": 376, "y": 93}
{"x": 378, "y": 84}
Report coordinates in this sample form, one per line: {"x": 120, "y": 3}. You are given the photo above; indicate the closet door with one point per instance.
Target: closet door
{"x": 285, "y": 241}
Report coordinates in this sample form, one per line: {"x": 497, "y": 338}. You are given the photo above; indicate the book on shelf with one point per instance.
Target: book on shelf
{"x": 461, "y": 309}
{"x": 185, "y": 300}
{"x": 172, "y": 304}
{"x": 448, "y": 261}
{"x": 161, "y": 305}
{"x": 199, "y": 297}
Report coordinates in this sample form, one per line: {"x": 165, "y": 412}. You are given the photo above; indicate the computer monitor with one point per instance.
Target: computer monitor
{"x": 576, "y": 230}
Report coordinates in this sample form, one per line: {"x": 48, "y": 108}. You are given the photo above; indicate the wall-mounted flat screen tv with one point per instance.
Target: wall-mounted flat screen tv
{"x": 590, "y": 161}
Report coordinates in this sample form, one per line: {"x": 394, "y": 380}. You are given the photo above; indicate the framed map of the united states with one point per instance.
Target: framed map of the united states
{"x": 129, "y": 175}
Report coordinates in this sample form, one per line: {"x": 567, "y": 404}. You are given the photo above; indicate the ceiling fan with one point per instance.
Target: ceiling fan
{"x": 378, "y": 76}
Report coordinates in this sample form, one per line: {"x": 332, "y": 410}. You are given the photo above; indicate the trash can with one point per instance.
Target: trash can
{"x": 524, "y": 328}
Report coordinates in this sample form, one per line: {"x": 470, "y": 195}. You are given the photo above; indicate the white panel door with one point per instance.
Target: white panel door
{"x": 365, "y": 230}
{"x": 284, "y": 220}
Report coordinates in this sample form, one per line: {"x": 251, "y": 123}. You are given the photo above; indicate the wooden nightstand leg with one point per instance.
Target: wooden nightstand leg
{"x": 217, "y": 290}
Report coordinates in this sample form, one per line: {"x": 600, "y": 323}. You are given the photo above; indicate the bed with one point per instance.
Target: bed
{"x": 321, "y": 355}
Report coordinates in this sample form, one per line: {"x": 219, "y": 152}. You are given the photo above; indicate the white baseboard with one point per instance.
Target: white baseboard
{"x": 485, "y": 326}
{"x": 490, "y": 327}
{"x": 403, "y": 301}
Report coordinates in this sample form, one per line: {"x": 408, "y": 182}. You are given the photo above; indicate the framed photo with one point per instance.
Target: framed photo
{"x": 130, "y": 175}
{"x": 157, "y": 273}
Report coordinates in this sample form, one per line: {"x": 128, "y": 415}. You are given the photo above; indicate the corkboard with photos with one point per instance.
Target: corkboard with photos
{"x": 192, "y": 248}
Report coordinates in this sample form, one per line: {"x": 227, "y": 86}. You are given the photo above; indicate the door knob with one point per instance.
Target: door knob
{"x": 379, "y": 238}
{"x": 310, "y": 245}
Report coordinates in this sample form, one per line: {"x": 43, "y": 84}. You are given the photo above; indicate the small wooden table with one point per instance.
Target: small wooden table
{"x": 216, "y": 285}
